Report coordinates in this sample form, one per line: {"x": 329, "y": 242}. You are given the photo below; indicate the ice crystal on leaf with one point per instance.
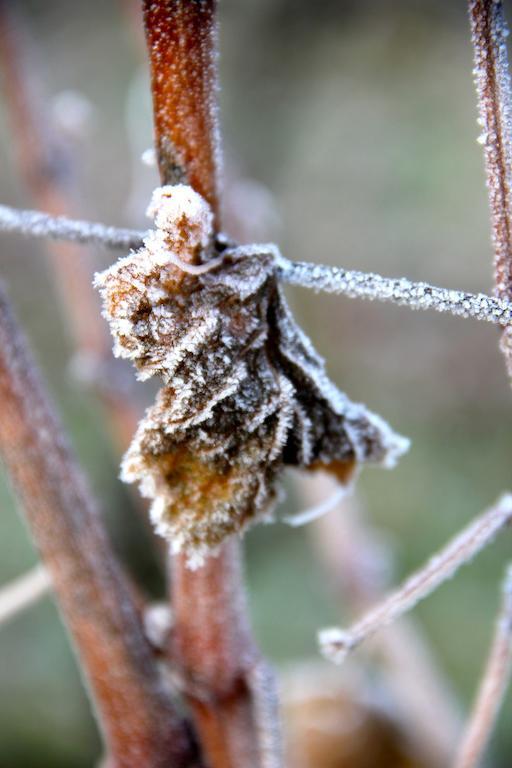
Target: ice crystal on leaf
{"x": 244, "y": 391}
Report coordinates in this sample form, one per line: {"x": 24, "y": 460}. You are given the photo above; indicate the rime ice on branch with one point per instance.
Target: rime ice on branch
{"x": 489, "y": 34}
{"x": 337, "y": 643}
{"x": 244, "y": 391}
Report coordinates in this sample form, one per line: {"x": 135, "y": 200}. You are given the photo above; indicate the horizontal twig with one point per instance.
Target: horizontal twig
{"x": 337, "y": 643}
{"x": 23, "y": 592}
{"x": 43, "y": 225}
{"x": 319, "y": 277}
{"x": 401, "y": 291}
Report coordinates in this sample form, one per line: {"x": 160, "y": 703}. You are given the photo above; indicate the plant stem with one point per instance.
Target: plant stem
{"x": 493, "y": 686}
{"x": 337, "y": 643}
{"x": 181, "y": 39}
{"x": 229, "y": 689}
{"x": 319, "y": 277}
{"x": 356, "y": 564}
{"x": 140, "y": 724}
{"x": 489, "y": 34}
{"x": 213, "y": 648}
{"x": 48, "y": 227}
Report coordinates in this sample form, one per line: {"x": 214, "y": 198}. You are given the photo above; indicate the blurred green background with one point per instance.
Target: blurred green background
{"x": 350, "y": 137}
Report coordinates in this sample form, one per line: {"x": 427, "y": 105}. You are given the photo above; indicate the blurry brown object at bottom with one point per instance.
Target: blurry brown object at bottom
{"x": 332, "y": 724}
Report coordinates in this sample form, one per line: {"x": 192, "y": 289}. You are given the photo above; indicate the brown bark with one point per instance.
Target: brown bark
{"x": 141, "y": 726}
{"x": 181, "y": 41}
{"x": 229, "y": 688}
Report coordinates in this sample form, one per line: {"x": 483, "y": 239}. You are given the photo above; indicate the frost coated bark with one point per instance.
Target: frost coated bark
{"x": 244, "y": 391}
{"x": 489, "y": 33}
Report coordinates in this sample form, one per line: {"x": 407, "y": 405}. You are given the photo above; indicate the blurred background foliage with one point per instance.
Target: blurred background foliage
{"x": 350, "y": 138}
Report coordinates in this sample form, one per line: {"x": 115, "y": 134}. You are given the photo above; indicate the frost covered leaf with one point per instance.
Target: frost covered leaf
{"x": 244, "y": 391}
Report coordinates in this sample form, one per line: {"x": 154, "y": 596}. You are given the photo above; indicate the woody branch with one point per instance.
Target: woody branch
{"x": 228, "y": 687}
{"x": 492, "y": 77}
{"x": 354, "y": 284}
{"x": 139, "y": 722}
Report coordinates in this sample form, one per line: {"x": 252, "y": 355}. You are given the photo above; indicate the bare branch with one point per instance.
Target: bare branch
{"x": 489, "y": 32}
{"x": 400, "y": 291}
{"x": 228, "y": 686}
{"x": 351, "y": 283}
{"x": 140, "y": 724}
{"x": 45, "y": 226}
{"x": 356, "y": 562}
{"x": 23, "y": 592}
{"x": 336, "y": 643}
{"x": 181, "y": 39}
{"x": 492, "y": 686}
{"x": 234, "y": 713}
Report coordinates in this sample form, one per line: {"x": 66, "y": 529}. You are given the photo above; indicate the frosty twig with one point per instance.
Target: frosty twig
{"x": 336, "y": 643}
{"x": 492, "y": 687}
{"x": 319, "y": 277}
{"x": 400, "y": 291}
{"x": 46, "y": 226}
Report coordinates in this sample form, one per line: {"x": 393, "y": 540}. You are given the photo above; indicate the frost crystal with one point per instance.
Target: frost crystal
{"x": 244, "y": 391}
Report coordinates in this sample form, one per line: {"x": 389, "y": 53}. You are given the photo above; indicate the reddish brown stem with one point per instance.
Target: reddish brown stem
{"x": 229, "y": 688}
{"x": 140, "y": 724}
{"x": 489, "y": 33}
{"x": 181, "y": 39}
{"x": 224, "y": 675}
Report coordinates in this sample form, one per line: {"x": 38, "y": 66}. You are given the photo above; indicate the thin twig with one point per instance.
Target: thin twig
{"x": 337, "y": 643}
{"x": 489, "y": 32}
{"x": 23, "y": 592}
{"x": 235, "y": 714}
{"x": 46, "y": 226}
{"x": 356, "y": 563}
{"x": 140, "y": 724}
{"x": 351, "y": 283}
{"x": 400, "y": 291}
{"x": 493, "y": 686}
